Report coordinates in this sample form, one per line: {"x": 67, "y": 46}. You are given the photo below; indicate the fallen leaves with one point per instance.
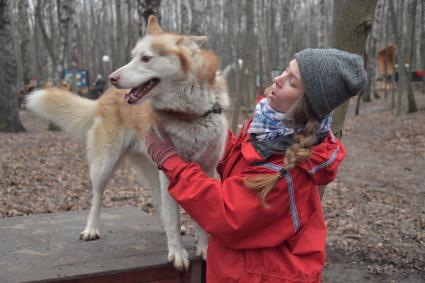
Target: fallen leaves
{"x": 375, "y": 210}
{"x": 43, "y": 172}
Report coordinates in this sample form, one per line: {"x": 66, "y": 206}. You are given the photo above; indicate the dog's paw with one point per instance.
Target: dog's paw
{"x": 201, "y": 244}
{"x": 180, "y": 258}
{"x": 201, "y": 250}
{"x": 89, "y": 235}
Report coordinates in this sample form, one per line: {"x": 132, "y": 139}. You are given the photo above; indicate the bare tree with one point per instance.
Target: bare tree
{"x": 129, "y": 30}
{"x": 352, "y": 24}
{"x": 397, "y": 25}
{"x": 65, "y": 12}
{"x": 198, "y": 15}
{"x": 423, "y": 44}
{"x": 145, "y": 8}
{"x": 321, "y": 22}
{"x": 186, "y": 16}
{"x": 112, "y": 36}
{"x": 47, "y": 39}
{"x": 9, "y": 114}
{"x": 371, "y": 58}
{"x": 411, "y": 102}
{"x": 94, "y": 39}
{"x": 24, "y": 35}
{"x": 249, "y": 61}
{"x": 119, "y": 56}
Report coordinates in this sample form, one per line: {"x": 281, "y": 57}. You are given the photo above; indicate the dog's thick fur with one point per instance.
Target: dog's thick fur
{"x": 188, "y": 88}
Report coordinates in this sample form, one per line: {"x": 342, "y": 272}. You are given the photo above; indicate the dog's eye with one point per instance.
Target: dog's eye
{"x": 146, "y": 58}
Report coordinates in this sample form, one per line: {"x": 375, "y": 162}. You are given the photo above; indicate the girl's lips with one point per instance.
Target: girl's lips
{"x": 270, "y": 94}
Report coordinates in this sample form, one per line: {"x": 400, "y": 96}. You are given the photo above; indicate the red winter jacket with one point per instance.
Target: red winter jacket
{"x": 250, "y": 243}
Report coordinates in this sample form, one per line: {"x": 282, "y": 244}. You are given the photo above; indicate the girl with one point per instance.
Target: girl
{"x": 264, "y": 216}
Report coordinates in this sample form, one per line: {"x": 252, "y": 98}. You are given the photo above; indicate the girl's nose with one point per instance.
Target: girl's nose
{"x": 278, "y": 81}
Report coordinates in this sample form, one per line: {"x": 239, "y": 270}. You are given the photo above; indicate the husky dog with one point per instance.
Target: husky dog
{"x": 174, "y": 87}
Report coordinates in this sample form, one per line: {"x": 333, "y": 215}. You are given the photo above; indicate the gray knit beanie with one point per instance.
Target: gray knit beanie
{"x": 330, "y": 77}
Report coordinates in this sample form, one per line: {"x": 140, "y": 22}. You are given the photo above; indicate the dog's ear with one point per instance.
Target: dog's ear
{"x": 192, "y": 42}
{"x": 153, "y": 26}
{"x": 199, "y": 40}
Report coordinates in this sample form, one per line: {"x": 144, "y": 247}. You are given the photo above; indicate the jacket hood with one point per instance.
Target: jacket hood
{"x": 325, "y": 160}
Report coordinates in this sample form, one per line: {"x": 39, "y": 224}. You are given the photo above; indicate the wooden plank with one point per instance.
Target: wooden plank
{"x": 47, "y": 248}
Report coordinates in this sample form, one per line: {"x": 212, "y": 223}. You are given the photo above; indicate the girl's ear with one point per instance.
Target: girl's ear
{"x": 153, "y": 26}
{"x": 194, "y": 43}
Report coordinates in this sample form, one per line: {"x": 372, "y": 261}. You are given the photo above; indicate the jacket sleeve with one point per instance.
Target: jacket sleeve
{"x": 228, "y": 210}
{"x": 231, "y": 139}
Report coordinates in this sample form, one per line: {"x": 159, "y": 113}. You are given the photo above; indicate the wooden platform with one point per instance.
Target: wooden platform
{"x": 132, "y": 248}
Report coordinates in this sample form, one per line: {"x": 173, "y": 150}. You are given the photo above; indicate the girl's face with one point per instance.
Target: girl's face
{"x": 286, "y": 89}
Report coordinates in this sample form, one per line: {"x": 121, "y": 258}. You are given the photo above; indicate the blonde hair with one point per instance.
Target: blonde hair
{"x": 300, "y": 150}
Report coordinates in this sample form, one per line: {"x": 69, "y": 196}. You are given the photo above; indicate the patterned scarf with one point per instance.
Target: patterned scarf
{"x": 268, "y": 123}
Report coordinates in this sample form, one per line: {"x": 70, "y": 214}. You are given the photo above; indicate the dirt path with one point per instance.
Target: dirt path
{"x": 375, "y": 210}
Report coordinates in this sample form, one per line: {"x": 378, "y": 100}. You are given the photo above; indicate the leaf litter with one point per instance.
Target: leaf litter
{"x": 375, "y": 210}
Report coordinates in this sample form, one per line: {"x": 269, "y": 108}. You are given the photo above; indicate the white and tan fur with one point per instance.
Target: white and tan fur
{"x": 115, "y": 130}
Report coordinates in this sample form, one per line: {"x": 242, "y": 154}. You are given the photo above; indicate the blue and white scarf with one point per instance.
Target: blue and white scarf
{"x": 268, "y": 123}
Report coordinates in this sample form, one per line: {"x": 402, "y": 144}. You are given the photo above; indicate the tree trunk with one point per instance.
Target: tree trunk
{"x": 397, "y": 25}
{"x": 112, "y": 37}
{"x": 151, "y": 7}
{"x": 25, "y": 33}
{"x": 95, "y": 65}
{"x": 38, "y": 64}
{"x": 65, "y": 12}
{"x": 321, "y": 18}
{"x": 129, "y": 31}
{"x": 145, "y": 8}
{"x": 119, "y": 56}
{"x": 287, "y": 20}
{"x": 73, "y": 60}
{"x": 371, "y": 58}
{"x": 186, "y": 17}
{"x": 9, "y": 112}
{"x": 249, "y": 61}
{"x": 411, "y": 102}
{"x": 357, "y": 110}
{"x": 198, "y": 14}
{"x": 423, "y": 44}
{"x": 352, "y": 24}
{"x": 48, "y": 40}
{"x": 53, "y": 25}
{"x": 384, "y": 21}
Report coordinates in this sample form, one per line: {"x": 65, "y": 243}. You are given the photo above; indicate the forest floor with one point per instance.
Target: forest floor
{"x": 375, "y": 210}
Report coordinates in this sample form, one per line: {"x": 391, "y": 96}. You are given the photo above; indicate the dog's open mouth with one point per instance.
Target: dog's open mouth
{"x": 138, "y": 92}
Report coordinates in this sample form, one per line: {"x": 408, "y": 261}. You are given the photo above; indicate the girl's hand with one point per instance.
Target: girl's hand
{"x": 159, "y": 148}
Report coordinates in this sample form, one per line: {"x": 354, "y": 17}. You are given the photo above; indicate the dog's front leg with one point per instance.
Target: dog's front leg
{"x": 201, "y": 242}
{"x": 170, "y": 217}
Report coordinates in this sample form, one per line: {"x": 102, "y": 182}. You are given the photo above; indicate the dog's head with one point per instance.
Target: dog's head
{"x": 157, "y": 58}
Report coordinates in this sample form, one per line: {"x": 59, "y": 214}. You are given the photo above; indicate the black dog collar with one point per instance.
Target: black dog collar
{"x": 216, "y": 109}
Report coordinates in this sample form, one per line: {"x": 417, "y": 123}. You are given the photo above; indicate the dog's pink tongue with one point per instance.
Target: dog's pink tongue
{"x": 133, "y": 95}
{"x": 136, "y": 91}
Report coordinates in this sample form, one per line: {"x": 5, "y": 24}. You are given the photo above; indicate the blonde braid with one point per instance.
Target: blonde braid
{"x": 300, "y": 150}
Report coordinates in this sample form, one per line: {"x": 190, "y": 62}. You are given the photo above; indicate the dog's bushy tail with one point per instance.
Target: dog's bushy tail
{"x": 72, "y": 113}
